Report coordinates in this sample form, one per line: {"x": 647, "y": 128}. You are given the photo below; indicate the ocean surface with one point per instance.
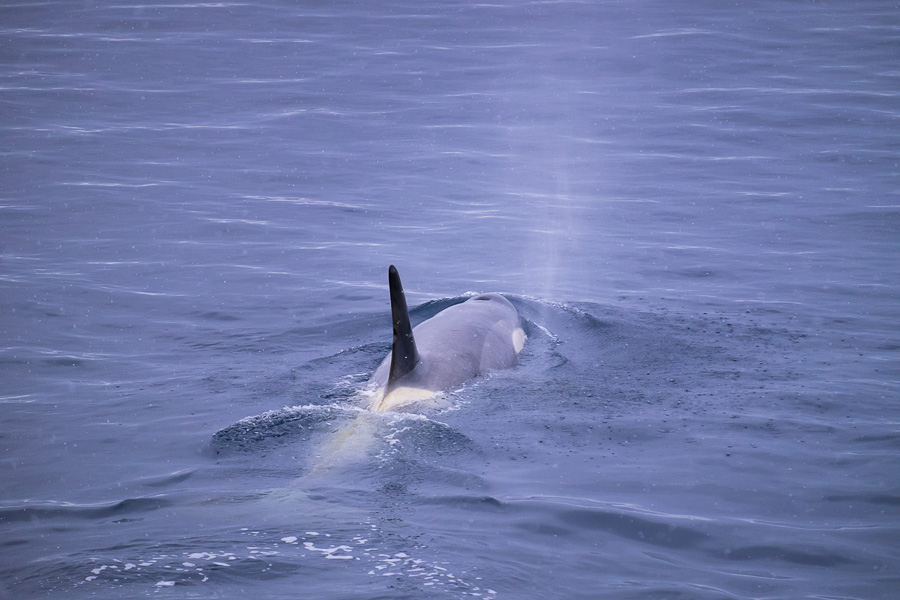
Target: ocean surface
{"x": 695, "y": 207}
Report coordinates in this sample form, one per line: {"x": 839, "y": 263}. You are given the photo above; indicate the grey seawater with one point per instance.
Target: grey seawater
{"x": 693, "y": 206}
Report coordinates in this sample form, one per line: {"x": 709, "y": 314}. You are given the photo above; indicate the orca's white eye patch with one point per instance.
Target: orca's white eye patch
{"x": 518, "y": 339}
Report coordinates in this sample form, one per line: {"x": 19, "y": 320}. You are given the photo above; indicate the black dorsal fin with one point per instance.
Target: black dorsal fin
{"x": 404, "y": 356}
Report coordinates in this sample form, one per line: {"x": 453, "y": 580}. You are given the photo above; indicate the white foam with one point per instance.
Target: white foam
{"x": 188, "y": 568}
{"x": 330, "y": 553}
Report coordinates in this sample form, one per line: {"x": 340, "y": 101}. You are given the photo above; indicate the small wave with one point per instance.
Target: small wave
{"x": 807, "y": 557}
{"x": 291, "y": 423}
{"x": 28, "y": 511}
{"x": 577, "y": 517}
{"x": 166, "y": 480}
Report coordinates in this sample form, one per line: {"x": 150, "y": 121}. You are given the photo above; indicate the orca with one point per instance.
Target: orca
{"x": 459, "y": 343}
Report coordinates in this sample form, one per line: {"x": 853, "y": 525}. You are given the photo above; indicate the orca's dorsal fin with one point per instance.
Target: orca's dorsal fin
{"x": 404, "y": 356}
